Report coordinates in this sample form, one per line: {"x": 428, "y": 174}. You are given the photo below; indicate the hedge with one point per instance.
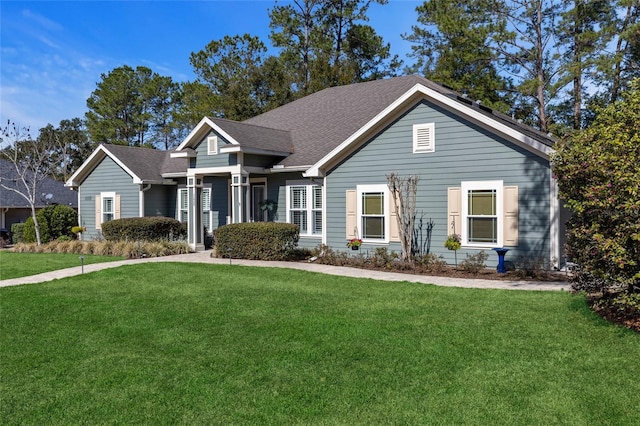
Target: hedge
{"x": 143, "y": 229}
{"x": 257, "y": 240}
{"x": 55, "y": 221}
{"x": 16, "y": 233}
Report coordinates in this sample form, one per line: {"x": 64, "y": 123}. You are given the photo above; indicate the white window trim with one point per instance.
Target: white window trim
{"x": 180, "y": 209}
{"x": 212, "y": 145}
{"x": 362, "y": 189}
{"x": 431, "y": 147}
{"x": 496, "y": 185}
{"x": 309, "y": 206}
{"x": 103, "y": 196}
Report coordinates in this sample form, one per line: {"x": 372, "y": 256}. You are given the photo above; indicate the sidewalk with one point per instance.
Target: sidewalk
{"x": 204, "y": 257}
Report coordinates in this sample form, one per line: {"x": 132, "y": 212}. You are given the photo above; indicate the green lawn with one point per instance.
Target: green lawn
{"x": 14, "y": 265}
{"x": 226, "y": 344}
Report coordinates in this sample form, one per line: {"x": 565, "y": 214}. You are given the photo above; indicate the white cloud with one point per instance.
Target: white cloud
{"x": 42, "y": 21}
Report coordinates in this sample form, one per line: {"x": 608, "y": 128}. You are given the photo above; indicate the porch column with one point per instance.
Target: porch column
{"x": 240, "y": 202}
{"x": 195, "y": 232}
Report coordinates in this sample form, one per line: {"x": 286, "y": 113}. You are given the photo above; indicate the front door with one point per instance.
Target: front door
{"x": 257, "y": 196}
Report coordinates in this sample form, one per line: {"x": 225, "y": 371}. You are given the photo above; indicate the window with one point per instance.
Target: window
{"x": 373, "y": 212}
{"x": 108, "y": 209}
{"x": 304, "y": 208}
{"x": 298, "y": 207}
{"x": 183, "y": 207}
{"x": 212, "y": 145}
{"x": 107, "y": 206}
{"x": 482, "y": 219}
{"x": 206, "y": 209}
{"x": 482, "y": 213}
{"x": 424, "y": 138}
{"x": 317, "y": 210}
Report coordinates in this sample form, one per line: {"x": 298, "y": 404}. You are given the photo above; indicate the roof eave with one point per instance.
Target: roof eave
{"x": 285, "y": 169}
{"x": 250, "y": 150}
{"x": 200, "y": 131}
{"x": 90, "y": 163}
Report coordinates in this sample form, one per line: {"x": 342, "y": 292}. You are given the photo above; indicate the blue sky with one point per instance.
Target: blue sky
{"x": 52, "y": 53}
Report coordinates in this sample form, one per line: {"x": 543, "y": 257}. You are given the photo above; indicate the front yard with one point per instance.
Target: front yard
{"x": 14, "y": 265}
{"x": 221, "y": 344}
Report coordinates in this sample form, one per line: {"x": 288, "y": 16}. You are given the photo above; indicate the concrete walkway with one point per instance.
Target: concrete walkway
{"x": 204, "y": 257}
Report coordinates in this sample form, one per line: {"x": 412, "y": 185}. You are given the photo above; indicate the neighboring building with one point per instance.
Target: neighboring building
{"x": 16, "y": 209}
{"x": 322, "y": 162}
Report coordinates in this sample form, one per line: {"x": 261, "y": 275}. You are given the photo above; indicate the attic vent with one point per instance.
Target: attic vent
{"x": 212, "y": 145}
{"x": 424, "y": 138}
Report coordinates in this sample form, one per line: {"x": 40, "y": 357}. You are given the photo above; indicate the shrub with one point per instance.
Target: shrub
{"x": 54, "y": 221}
{"x": 143, "y": 229}
{"x": 588, "y": 282}
{"x": 29, "y": 230}
{"x": 17, "y": 233}
{"x": 474, "y": 263}
{"x": 257, "y": 240}
{"x": 383, "y": 259}
{"x": 626, "y": 304}
{"x": 60, "y": 220}
{"x": 598, "y": 171}
{"x": 431, "y": 263}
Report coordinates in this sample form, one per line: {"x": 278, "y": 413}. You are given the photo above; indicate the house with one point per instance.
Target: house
{"x": 14, "y": 208}
{"x": 321, "y": 162}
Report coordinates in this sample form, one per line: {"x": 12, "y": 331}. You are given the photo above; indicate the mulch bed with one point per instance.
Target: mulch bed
{"x": 629, "y": 319}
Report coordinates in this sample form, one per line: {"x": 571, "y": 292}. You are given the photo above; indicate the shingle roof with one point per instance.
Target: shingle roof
{"x": 59, "y": 193}
{"x": 147, "y": 164}
{"x": 311, "y": 127}
{"x": 323, "y": 120}
{"x": 259, "y": 137}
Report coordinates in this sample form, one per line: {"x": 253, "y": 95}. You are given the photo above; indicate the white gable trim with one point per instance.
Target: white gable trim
{"x": 90, "y": 163}
{"x": 204, "y": 126}
{"x": 422, "y": 92}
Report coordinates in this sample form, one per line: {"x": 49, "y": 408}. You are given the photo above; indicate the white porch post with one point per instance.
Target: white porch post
{"x": 195, "y": 233}
{"x": 240, "y": 202}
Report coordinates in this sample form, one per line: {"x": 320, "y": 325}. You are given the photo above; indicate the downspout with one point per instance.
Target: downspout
{"x": 143, "y": 189}
{"x": 554, "y": 225}
{"x": 3, "y": 223}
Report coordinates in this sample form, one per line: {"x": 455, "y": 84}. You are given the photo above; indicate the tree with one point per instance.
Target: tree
{"x": 197, "y": 101}
{"x": 231, "y": 69}
{"x": 132, "y": 107}
{"x": 618, "y": 67}
{"x": 32, "y": 163}
{"x": 598, "y": 172}
{"x": 403, "y": 192}
{"x": 294, "y": 29}
{"x": 451, "y": 45}
{"x": 326, "y": 44}
{"x": 71, "y": 149}
{"x": 582, "y": 32}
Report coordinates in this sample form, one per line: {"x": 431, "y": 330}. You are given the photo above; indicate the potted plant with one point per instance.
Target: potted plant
{"x": 268, "y": 207}
{"x": 453, "y": 243}
{"x": 354, "y": 243}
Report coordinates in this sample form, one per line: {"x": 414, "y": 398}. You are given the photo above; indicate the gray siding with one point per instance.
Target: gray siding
{"x": 464, "y": 152}
{"x": 159, "y": 200}
{"x": 106, "y": 177}
{"x": 203, "y": 159}
{"x": 276, "y": 190}
{"x": 219, "y": 199}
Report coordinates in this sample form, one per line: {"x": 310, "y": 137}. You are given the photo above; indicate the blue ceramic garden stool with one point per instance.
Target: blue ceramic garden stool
{"x": 501, "y": 252}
